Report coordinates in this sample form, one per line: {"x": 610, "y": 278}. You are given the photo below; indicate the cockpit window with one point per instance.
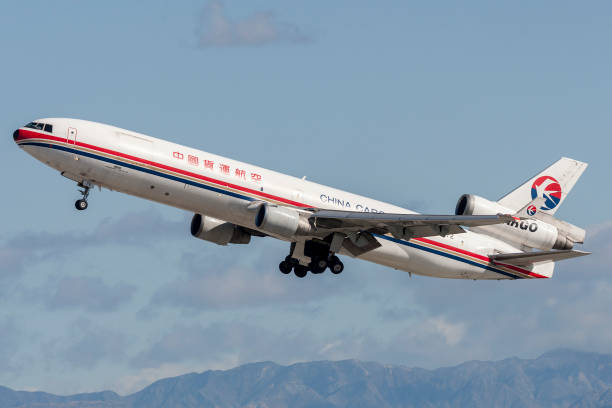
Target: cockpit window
{"x": 40, "y": 126}
{"x": 35, "y": 125}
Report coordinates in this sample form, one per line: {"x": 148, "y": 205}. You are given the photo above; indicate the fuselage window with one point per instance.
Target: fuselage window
{"x": 48, "y": 128}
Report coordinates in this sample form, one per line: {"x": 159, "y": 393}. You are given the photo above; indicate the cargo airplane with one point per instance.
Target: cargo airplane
{"x": 516, "y": 237}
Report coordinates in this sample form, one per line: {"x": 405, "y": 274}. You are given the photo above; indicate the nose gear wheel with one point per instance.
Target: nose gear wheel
{"x": 81, "y": 204}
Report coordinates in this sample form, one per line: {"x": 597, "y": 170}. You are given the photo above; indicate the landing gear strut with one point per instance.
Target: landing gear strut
{"x": 81, "y": 204}
{"x": 320, "y": 259}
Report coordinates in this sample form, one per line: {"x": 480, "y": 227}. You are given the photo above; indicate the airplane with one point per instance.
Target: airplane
{"x": 516, "y": 237}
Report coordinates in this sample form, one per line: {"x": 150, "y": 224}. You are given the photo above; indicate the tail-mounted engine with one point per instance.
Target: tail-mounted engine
{"x": 217, "y": 231}
{"x": 532, "y": 233}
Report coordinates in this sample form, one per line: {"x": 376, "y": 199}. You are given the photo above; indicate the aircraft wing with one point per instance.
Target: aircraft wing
{"x": 528, "y": 258}
{"x": 401, "y": 225}
{"x": 358, "y": 227}
{"x": 415, "y": 225}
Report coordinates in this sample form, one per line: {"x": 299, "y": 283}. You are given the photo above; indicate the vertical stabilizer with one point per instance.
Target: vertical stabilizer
{"x": 552, "y": 185}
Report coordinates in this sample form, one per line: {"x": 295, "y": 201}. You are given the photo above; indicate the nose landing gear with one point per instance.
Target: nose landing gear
{"x": 81, "y": 204}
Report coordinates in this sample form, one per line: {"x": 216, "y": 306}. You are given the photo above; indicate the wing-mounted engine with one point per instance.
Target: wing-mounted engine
{"x": 282, "y": 221}
{"x": 528, "y": 232}
{"x": 217, "y": 231}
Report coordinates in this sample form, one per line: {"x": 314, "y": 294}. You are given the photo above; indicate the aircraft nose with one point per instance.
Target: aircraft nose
{"x": 15, "y": 135}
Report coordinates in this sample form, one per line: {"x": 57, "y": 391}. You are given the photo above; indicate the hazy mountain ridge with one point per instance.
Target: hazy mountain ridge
{"x": 561, "y": 378}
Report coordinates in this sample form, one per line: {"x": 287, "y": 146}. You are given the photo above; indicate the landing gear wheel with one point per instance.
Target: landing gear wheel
{"x": 300, "y": 271}
{"x": 285, "y": 267}
{"x": 80, "y": 205}
{"x": 336, "y": 265}
{"x": 318, "y": 265}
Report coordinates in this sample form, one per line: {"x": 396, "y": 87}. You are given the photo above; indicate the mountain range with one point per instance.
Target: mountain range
{"x": 560, "y": 378}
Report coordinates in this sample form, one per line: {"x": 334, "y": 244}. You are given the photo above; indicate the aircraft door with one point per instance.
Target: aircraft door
{"x": 71, "y": 137}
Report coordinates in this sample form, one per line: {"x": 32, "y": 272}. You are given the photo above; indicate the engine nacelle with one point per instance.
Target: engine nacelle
{"x": 217, "y": 231}
{"x": 530, "y": 233}
{"x": 283, "y": 221}
{"x": 469, "y": 204}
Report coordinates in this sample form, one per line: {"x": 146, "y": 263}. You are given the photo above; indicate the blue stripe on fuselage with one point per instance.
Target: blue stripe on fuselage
{"x": 446, "y": 255}
{"x": 243, "y": 197}
{"x": 143, "y": 169}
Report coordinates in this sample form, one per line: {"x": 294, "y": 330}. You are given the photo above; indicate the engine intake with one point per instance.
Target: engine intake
{"x": 217, "y": 231}
{"x": 470, "y": 204}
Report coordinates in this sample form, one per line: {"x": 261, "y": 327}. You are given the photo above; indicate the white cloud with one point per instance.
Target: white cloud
{"x": 85, "y": 345}
{"x": 217, "y": 30}
{"x": 90, "y": 293}
{"x": 138, "y": 228}
{"x": 10, "y": 339}
{"x": 226, "y": 282}
{"x": 452, "y": 332}
{"x": 223, "y": 343}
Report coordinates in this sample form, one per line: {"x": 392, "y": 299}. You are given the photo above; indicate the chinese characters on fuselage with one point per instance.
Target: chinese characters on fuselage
{"x": 222, "y": 168}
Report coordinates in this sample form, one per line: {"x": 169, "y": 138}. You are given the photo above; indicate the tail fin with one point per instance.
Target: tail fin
{"x": 552, "y": 184}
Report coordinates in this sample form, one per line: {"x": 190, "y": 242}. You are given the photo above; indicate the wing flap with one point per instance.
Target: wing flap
{"x": 358, "y": 244}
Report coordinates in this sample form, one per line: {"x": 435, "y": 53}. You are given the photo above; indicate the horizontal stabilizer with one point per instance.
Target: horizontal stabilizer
{"x": 528, "y": 258}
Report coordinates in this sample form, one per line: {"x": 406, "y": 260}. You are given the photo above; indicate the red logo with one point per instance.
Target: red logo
{"x": 531, "y": 210}
{"x": 550, "y": 189}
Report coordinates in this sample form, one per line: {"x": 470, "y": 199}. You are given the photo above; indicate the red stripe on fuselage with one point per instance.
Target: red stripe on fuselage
{"x": 28, "y": 134}
{"x": 477, "y": 256}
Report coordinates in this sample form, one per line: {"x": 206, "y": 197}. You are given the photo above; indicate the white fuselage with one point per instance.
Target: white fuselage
{"x": 205, "y": 183}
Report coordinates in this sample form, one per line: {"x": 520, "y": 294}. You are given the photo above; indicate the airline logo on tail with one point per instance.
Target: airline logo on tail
{"x": 548, "y": 188}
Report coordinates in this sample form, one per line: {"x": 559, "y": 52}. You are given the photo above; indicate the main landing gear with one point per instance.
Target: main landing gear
{"x": 320, "y": 259}
{"x": 81, "y": 204}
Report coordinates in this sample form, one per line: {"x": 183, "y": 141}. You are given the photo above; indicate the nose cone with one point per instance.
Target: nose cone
{"x": 15, "y": 135}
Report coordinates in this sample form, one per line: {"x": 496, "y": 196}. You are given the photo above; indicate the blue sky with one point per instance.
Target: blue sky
{"x": 414, "y": 104}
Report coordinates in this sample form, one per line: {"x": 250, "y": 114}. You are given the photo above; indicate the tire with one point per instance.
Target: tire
{"x": 336, "y": 265}
{"x": 80, "y": 205}
{"x": 318, "y": 265}
{"x": 300, "y": 271}
{"x": 285, "y": 267}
